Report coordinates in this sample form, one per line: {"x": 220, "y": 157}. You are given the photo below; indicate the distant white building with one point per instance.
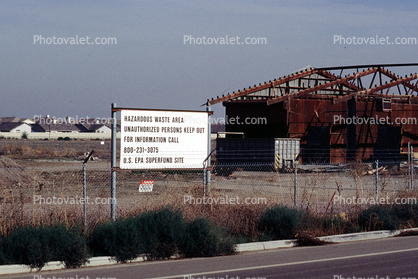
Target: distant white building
{"x": 94, "y": 128}
{"x": 15, "y": 127}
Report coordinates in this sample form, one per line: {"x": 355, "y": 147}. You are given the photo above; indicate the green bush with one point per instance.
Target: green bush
{"x": 2, "y": 257}
{"x": 120, "y": 239}
{"x": 36, "y": 246}
{"x": 280, "y": 222}
{"x": 377, "y": 217}
{"x": 406, "y": 214}
{"x": 153, "y": 234}
{"x": 28, "y": 246}
{"x": 158, "y": 235}
{"x": 161, "y": 232}
{"x": 68, "y": 246}
{"x": 203, "y": 239}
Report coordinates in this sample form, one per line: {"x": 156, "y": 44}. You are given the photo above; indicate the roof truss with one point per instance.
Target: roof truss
{"x": 315, "y": 83}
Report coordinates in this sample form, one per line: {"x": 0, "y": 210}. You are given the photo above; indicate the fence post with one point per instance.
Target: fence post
{"x": 113, "y": 165}
{"x": 377, "y": 179}
{"x": 85, "y": 191}
{"x": 412, "y": 168}
{"x": 84, "y": 197}
{"x": 409, "y": 166}
{"x": 204, "y": 179}
{"x": 208, "y": 109}
{"x": 295, "y": 188}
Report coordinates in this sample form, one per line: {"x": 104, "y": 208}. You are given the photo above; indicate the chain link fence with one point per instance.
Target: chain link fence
{"x": 43, "y": 191}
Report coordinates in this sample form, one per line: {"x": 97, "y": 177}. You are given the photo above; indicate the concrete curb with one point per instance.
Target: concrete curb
{"x": 244, "y": 247}
{"x": 259, "y": 246}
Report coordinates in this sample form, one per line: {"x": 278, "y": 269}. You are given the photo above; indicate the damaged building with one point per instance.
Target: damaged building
{"x": 338, "y": 113}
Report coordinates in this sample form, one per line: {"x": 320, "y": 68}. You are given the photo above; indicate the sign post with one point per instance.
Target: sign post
{"x": 159, "y": 140}
{"x": 113, "y": 165}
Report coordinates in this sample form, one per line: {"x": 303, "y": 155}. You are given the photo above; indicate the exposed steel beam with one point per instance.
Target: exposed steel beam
{"x": 323, "y": 72}
{"x": 369, "y": 66}
{"x": 334, "y": 77}
{"x": 322, "y": 86}
{"x": 266, "y": 85}
{"x": 394, "y": 77}
{"x": 370, "y": 91}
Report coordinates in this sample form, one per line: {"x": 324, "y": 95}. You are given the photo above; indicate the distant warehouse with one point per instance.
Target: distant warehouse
{"x": 367, "y": 114}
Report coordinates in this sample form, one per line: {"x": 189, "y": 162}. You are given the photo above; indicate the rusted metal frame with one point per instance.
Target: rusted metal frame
{"x": 371, "y": 83}
{"x": 368, "y": 131}
{"x": 399, "y": 90}
{"x": 409, "y": 91}
{"x": 312, "y": 78}
{"x": 380, "y": 79}
{"x": 286, "y": 88}
{"x": 331, "y": 89}
{"x": 322, "y": 86}
{"x": 260, "y": 87}
{"x": 404, "y": 87}
{"x": 321, "y": 97}
{"x": 282, "y": 90}
{"x": 360, "y": 84}
{"x": 413, "y": 87}
{"x": 407, "y": 84}
{"x": 377, "y": 88}
{"x": 388, "y": 74}
{"x": 339, "y": 137}
{"x": 330, "y": 75}
{"x": 369, "y": 66}
{"x": 274, "y": 89}
{"x": 361, "y": 127}
{"x": 354, "y": 80}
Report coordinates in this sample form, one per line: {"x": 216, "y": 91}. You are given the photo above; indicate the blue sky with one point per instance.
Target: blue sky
{"x": 150, "y": 66}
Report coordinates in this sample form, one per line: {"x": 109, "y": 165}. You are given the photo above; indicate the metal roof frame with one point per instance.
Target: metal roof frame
{"x": 338, "y": 88}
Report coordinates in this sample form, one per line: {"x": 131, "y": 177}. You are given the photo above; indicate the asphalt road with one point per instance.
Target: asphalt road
{"x": 389, "y": 258}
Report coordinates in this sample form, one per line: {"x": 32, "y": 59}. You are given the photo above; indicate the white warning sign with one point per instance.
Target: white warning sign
{"x": 154, "y": 139}
{"x": 146, "y": 186}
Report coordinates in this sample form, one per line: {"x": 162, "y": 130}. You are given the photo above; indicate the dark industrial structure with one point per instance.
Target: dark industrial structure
{"x": 366, "y": 114}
